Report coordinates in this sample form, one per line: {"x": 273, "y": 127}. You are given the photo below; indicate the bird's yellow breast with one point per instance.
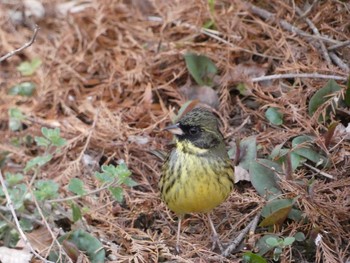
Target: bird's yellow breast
{"x": 194, "y": 181}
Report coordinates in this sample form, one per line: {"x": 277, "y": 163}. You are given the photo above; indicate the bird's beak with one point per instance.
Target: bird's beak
{"x": 174, "y": 129}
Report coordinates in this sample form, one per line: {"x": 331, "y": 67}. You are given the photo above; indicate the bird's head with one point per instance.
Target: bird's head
{"x": 199, "y": 127}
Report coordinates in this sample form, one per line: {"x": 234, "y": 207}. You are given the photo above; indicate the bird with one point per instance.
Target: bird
{"x": 197, "y": 174}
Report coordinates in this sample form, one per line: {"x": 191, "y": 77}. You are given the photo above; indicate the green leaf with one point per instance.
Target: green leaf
{"x": 28, "y": 68}
{"x": 247, "y": 152}
{"x": 85, "y": 242}
{"x": 76, "y": 186}
{"x": 277, "y": 253}
{"x": 263, "y": 178}
{"x": 53, "y": 135}
{"x": 23, "y": 89}
{"x": 250, "y": 257}
{"x": 117, "y": 193}
{"x": 15, "y": 125}
{"x": 322, "y": 95}
{"x": 76, "y": 212}
{"x": 276, "y": 211}
{"x": 201, "y": 68}
{"x": 243, "y": 89}
{"x": 59, "y": 142}
{"x": 71, "y": 250}
{"x": 274, "y": 205}
{"x": 13, "y": 179}
{"x": 26, "y": 224}
{"x": 209, "y": 24}
{"x": 274, "y": 116}
{"x": 295, "y": 214}
{"x": 288, "y": 241}
{"x": 307, "y": 152}
{"x": 104, "y": 177}
{"x": 211, "y": 4}
{"x": 38, "y": 161}
{"x": 122, "y": 171}
{"x": 262, "y": 246}
{"x": 13, "y": 238}
{"x": 16, "y": 113}
{"x": 272, "y": 242}
{"x": 299, "y": 236}
{"x": 111, "y": 172}
{"x": 278, "y": 151}
{"x": 330, "y": 133}
{"x": 16, "y": 118}
{"x": 46, "y": 189}
{"x": 347, "y": 93}
{"x": 130, "y": 182}
{"x": 295, "y": 160}
{"x": 18, "y": 195}
{"x": 41, "y": 141}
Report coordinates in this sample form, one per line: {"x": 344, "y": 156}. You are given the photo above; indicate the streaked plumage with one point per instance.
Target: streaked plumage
{"x": 197, "y": 175}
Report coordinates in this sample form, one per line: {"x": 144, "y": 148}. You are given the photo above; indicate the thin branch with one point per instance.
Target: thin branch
{"x": 13, "y": 212}
{"x": 319, "y": 171}
{"x": 254, "y": 224}
{"x": 339, "y": 62}
{"x": 70, "y": 198}
{"x": 336, "y": 46}
{"x": 285, "y": 25}
{"x": 241, "y": 236}
{"x": 316, "y": 33}
{"x": 10, "y": 54}
{"x": 297, "y": 75}
{"x": 308, "y": 10}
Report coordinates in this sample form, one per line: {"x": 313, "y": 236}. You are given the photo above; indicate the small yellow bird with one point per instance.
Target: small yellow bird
{"x": 197, "y": 175}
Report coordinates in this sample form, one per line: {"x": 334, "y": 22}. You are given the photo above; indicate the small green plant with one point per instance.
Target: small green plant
{"x": 201, "y": 68}
{"x": 278, "y": 244}
{"x": 15, "y": 119}
{"x": 210, "y": 23}
{"x": 51, "y": 142}
{"x": 250, "y": 257}
{"x": 28, "y": 68}
{"x": 112, "y": 178}
{"x": 274, "y": 115}
{"x": 21, "y": 197}
{"x": 25, "y": 89}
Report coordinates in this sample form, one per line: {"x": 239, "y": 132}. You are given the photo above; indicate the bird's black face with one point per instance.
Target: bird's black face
{"x": 190, "y": 132}
{"x": 199, "y": 127}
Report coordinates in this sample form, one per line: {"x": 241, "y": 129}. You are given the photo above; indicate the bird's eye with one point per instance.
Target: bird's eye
{"x": 193, "y": 130}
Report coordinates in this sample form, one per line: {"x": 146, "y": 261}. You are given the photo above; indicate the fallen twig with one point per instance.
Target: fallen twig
{"x": 317, "y": 33}
{"x": 298, "y": 75}
{"x": 339, "y": 62}
{"x": 10, "y": 54}
{"x": 308, "y": 10}
{"x": 343, "y": 44}
{"x": 319, "y": 171}
{"x": 241, "y": 236}
{"x": 285, "y": 25}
